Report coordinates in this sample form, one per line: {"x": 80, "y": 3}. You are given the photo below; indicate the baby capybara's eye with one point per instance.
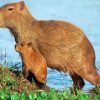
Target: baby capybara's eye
{"x": 29, "y": 44}
{"x": 22, "y": 44}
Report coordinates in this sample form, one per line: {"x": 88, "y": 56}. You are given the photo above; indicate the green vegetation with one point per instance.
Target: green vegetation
{"x": 13, "y": 86}
{"x": 13, "y": 81}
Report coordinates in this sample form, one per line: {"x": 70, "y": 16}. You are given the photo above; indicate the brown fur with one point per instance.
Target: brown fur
{"x": 34, "y": 62}
{"x": 64, "y": 46}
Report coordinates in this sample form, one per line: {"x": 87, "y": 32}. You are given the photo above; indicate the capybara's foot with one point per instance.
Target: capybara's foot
{"x": 41, "y": 85}
{"x": 78, "y": 81}
{"x": 40, "y": 78}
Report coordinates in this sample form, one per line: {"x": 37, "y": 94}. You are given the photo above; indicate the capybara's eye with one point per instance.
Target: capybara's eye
{"x": 22, "y": 44}
{"x": 30, "y": 44}
{"x": 10, "y": 9}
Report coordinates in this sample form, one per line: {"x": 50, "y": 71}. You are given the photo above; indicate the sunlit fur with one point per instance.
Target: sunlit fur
{"x": 64, "y": 46}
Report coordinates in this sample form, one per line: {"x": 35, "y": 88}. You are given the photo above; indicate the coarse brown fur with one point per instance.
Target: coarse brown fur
{"x": 64, "y": 46}
{"x": 33, "y": 62}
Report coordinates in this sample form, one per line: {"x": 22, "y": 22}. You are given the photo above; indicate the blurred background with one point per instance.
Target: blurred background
{"x": 83, "y": 13}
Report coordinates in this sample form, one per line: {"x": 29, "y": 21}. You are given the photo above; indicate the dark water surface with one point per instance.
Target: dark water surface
{"x": 83, "y": 13}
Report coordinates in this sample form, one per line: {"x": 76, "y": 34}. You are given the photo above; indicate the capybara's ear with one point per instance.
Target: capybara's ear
{"x": 29, "y": 44}
{"x": 21, "y": 5}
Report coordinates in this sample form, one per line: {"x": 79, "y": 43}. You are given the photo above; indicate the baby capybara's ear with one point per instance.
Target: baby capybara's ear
{"x": 21, "y": 5}
{"x": 29, "y": 44}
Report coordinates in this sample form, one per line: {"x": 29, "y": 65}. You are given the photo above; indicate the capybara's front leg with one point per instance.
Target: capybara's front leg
{"x": 23, "y": 67}
{"x": 26, "y": 72}
{"x": 78, "y": 81}
{"x": 23, "y": 71}
{"x": 41, "y": 77}
{"x": 41, "y": 73}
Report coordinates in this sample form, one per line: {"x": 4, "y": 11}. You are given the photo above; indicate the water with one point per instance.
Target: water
{"x": 83, "y": 13}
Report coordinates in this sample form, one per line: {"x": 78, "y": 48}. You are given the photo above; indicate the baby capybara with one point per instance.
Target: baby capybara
{"x": 63, "y": 45}
{"x": 33, "y": 62}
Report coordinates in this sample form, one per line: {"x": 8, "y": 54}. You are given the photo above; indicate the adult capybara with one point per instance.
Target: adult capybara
{"x": 64, "y": 46}
{"x": 33, "y": 62}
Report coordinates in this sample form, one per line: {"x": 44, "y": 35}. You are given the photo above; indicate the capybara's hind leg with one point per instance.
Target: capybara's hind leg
{"x": 90, "y": 74}
{"x": 78, "y": 81}
{"x": 93, "y": 78}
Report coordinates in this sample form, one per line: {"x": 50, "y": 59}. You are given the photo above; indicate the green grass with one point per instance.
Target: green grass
{"x": 13, "y": 86}
{"x": 52, "y": 95}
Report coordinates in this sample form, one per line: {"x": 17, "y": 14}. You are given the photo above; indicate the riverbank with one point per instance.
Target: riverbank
{"x": 13, "y": 86}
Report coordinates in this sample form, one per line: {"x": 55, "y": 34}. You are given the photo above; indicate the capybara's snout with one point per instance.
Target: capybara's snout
{"x": 17, "y": 47}
{"x": 1, "y": 19}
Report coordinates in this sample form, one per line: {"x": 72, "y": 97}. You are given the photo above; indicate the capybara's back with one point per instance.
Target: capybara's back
{"x": 63, "y": 45}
